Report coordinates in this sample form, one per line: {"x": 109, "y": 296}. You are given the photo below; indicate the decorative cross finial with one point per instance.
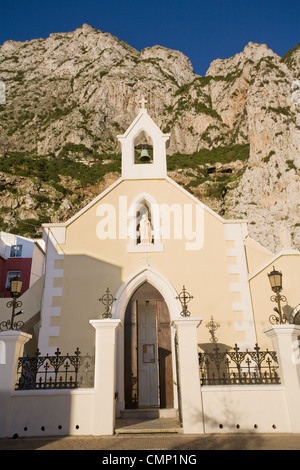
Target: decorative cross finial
{"x": 143, "y": 101}
{"x": 184, "y": 298}
{"x": 107, "y": 299}
{"x": 212, "y": 327}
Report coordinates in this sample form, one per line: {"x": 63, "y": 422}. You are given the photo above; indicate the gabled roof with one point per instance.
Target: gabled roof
{"x": 272, "y": 260}
{"x": 119, "y": 181}
{"x": 140, "y": 120}
{"x": 156, "y": 170}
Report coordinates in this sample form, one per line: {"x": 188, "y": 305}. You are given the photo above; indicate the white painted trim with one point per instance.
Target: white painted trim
{"x": 159, "y": 281}
{"x": 157, "y": 246}
{"x": 294, "y": 312}
{"x": 233, "y": 232}
{"x": 134, "y": 123}
{"x": 54, "y": 392}
{"x": 87, "y": 207}
{"x": 197, "y": 201}
{"x": 158, "y": 167}
{"x": 166, "y": 178}
{"x": 241, "y": 388}
{"x": 48, "y": 310}
{"x": 273, "y": 259}
{"x": 260, "y": 246}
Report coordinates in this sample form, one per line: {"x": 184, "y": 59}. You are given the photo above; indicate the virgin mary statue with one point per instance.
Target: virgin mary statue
{"x": 145, "y": 230}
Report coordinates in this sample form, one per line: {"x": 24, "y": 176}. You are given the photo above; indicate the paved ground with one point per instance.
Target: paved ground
{"x": 163, "y": 434}
{"x": 152, "y": 442}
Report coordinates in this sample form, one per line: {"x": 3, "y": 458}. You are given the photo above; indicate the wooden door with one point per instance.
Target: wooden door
{"x": 148, "y": 365}
{"x": 130, "y": 356}
{"x": 164, "y": 375}
{"x": 165, "y": 355}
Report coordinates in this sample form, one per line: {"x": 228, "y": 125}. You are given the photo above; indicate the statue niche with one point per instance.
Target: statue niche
{"x": 144, "y": 226}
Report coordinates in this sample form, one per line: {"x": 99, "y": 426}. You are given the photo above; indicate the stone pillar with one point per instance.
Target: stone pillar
{"x": 11, "y": 348}
{"x": 286, "y": 344}
{"x": 105, "y": 376}
{"x": 189, "y": 376}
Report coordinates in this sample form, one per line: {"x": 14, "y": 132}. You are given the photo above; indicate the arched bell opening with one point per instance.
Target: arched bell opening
{"x": 148, "y": 368}
{"x": 143, "y": 148}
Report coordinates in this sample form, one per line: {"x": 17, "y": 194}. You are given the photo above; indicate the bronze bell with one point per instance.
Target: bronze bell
{"x": 145, "y": 157}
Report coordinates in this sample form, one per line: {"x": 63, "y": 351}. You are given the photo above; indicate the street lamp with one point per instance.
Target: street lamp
{"x": 275, "y": 278}
{"x": 16, "y": 284}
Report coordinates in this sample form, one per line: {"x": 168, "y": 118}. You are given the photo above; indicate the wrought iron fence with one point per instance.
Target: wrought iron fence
{"x": 55, "y": 372}
{"x": 238, "y": 367}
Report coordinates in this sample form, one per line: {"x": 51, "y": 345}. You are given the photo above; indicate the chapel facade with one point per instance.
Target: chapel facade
{"x": 147, "y": 252}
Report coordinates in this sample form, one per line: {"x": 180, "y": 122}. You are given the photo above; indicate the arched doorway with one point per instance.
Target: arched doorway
{"x": 148, "y": 372}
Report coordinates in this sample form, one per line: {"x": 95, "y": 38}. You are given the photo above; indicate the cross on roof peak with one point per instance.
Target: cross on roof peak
{"x": 143, "y": 101}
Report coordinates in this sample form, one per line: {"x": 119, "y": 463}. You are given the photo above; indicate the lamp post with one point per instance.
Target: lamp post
{"x": 15, "y": 291}
{"x": 275, "y": 278}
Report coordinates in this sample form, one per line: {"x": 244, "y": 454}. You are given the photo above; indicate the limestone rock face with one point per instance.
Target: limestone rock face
{"x": 79, "y": 90}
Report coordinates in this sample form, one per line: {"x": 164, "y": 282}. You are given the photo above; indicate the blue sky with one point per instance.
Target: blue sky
{"x": 202, "y": 30}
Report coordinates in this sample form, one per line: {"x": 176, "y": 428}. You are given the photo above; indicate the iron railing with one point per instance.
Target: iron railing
{"x": 238, "y": 367}
{"x": 55, "y": 372}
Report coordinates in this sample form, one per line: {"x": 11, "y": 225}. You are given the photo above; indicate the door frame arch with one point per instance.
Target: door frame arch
{"x": 159, "y": 281}
{"x": 123, "y": 296}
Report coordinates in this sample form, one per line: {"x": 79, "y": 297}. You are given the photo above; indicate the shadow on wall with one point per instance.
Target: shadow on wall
{"x": 38, "y": 416}
{"x": 233, "y": 420}
{"x": 31, "y": 307}
{"x": 84, "y": 281}
{"x": 209, "y": 347}
{"x": 64, "y": 412}
{"x": 292, "y": 313}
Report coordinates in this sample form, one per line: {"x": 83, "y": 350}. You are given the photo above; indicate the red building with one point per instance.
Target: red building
{"x": 17, "y": 259}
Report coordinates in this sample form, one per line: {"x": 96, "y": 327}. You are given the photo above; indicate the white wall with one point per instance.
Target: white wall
{"x": 9, "y": 239}
{"x": 70, "y": 412}
{"x": 243, "y": 408}
{"x": 48, "y": 413}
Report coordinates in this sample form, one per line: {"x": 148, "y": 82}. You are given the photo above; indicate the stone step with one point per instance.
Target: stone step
{"x": 148, "y": 426}
{"x": 147, "y": 421}
{"x": 149, "y": 413}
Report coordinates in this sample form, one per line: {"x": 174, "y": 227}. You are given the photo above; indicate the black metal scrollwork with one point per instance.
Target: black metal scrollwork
{"x": 55, "y": 372}
{"x": 184, "y": 298}
{"x": 107, "y": 299}
{"x": 280, "y": 318}
{"x": 238, "y": 367}
{"x": 12, "y": 324}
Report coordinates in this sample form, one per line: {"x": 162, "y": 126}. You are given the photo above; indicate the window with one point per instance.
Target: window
{"x": 16, "y": 251}
{"x": 10, "y": 276}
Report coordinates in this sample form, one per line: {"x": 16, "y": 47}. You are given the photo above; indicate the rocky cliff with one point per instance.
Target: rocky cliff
{"x": 235, "y": 140}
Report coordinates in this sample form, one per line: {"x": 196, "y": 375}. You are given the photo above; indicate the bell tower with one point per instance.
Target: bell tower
{"x": 143, "y": 148}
